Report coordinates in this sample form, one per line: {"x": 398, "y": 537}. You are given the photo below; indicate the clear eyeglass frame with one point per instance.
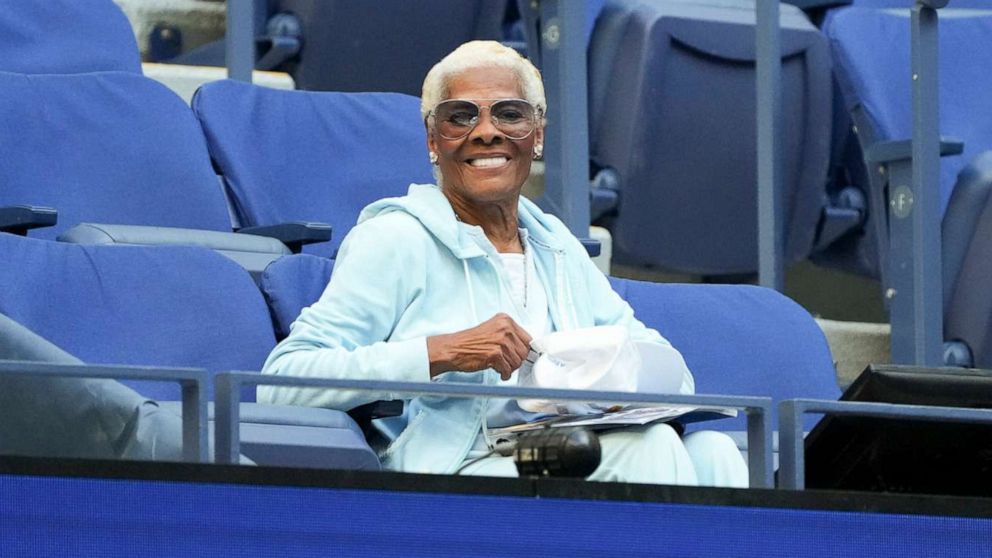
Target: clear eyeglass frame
{"x": 451, "y": 130}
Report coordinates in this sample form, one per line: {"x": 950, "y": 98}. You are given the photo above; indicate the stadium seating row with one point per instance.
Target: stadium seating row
{"x": 187, "y": 306}
{"x": 107, "y": 144}
{"x": 671, "y": 105}
{"x": 671, "y": 112}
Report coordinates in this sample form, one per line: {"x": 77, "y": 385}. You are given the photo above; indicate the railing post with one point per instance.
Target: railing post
{"x": 227, "y": 419}
{"x": 566, "y": 144}
{"x": 771, "y": 268}
{"x": 915, "y": 284}
{"x": 239, "y": 41}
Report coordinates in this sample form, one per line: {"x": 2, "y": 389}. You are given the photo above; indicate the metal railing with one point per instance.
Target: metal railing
{"x": 757, "y": 409}
{"x": 192, "y": 383}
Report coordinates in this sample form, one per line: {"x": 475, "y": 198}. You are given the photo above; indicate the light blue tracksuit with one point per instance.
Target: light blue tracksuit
{"x": 408, "y": 271}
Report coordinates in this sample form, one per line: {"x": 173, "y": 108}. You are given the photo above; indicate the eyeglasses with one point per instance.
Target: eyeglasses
{"x": 456, "y": 118}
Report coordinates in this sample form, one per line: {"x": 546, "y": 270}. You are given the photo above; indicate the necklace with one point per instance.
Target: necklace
{"x": 526, "y": 267}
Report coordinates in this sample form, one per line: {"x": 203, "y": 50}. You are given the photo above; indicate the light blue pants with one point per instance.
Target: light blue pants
{"x": 652, "y": 454}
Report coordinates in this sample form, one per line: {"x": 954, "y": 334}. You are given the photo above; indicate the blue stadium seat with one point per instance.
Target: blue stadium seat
{"x": 66, "y": 36}
{"x": 123, "y": 153}
{"x": 672, "y": 112}
{"x": 311, "y": 156}
{"x": 738, "y": 339}
{"x": 292, "y": 283}
{"x": 344, "y": 45}
{"x": 175, "y": 306}
{"x": 871, "y": 56}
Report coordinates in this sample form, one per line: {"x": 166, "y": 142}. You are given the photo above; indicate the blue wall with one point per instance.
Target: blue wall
{"x": 61, "y": 516}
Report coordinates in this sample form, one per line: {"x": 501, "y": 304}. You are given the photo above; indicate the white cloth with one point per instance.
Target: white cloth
{"x": 599, "y": 358}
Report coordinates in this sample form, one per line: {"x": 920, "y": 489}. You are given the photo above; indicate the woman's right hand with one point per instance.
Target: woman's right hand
{"x": 498, "y": 343}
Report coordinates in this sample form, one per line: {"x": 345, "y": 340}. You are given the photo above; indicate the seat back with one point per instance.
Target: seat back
{"x": 672, "y": 110}
{"x": 387, "y": 45}
{"x": 66, "y": 36}
{"x": 311, "y": 156}
{"x": 110, "y": 147}
{"x": 292, "y": 283}
{"x": 159, "y": 306}
{"x": 738, "y": 339}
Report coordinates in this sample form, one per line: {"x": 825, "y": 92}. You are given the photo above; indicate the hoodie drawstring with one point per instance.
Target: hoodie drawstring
{"x": 471, "y": 293}
{"x": 565, "y": 302}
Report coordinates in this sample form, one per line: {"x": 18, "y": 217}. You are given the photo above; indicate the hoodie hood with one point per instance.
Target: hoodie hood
{"x": 427, "y": 204}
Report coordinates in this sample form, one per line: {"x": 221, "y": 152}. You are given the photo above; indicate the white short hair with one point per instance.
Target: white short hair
{"x": 476, "y": 55}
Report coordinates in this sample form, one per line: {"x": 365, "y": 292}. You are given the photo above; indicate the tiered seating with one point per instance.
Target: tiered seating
{"x": 310, "y": 156}
{"x": 871, "y": 54}
{"x": 174, "y": 306}
{"x": 112, "y": 146}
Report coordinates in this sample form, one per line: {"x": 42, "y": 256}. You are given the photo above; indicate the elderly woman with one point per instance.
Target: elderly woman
{"x": 451, "y": 282}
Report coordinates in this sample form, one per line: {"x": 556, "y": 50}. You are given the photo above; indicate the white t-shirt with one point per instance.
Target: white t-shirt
{"x": 528, "y": 305}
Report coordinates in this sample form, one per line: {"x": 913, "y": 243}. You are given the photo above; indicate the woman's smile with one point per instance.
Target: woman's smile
{"x": 489, "y": 162}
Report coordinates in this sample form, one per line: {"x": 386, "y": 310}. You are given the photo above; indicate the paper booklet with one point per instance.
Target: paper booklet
{"x": 626, "y": 416}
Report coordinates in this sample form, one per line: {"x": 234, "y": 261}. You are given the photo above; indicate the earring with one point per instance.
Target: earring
{"x": 538, "y": 151}
{"x": 433, "y": 157}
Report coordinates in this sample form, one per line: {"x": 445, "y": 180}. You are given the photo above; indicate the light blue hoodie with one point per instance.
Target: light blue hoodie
{"x": 408, "y": 271}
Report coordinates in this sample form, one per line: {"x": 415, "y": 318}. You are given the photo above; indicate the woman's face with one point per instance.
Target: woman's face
{"x": 485, "y": 166}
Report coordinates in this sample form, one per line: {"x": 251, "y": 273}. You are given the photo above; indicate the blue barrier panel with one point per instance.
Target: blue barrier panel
{"x": 65, "y": 516}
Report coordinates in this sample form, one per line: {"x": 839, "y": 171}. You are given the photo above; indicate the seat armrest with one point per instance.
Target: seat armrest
{"x": 592, "y": 246}
{"x": 253, "y": 253}
{"x": 604, "y": 194}
{"x": 294, "y": 235}
{"x": 377, "y": 410}
{"x": 18, "y": 219}
{"x": 807, "y": 5}
{"x": 365, "y": 414}
{"x": 898, "y": 150}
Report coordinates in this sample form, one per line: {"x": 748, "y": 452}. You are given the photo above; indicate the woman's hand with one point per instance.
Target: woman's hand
{"x": 497, "y": 343}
